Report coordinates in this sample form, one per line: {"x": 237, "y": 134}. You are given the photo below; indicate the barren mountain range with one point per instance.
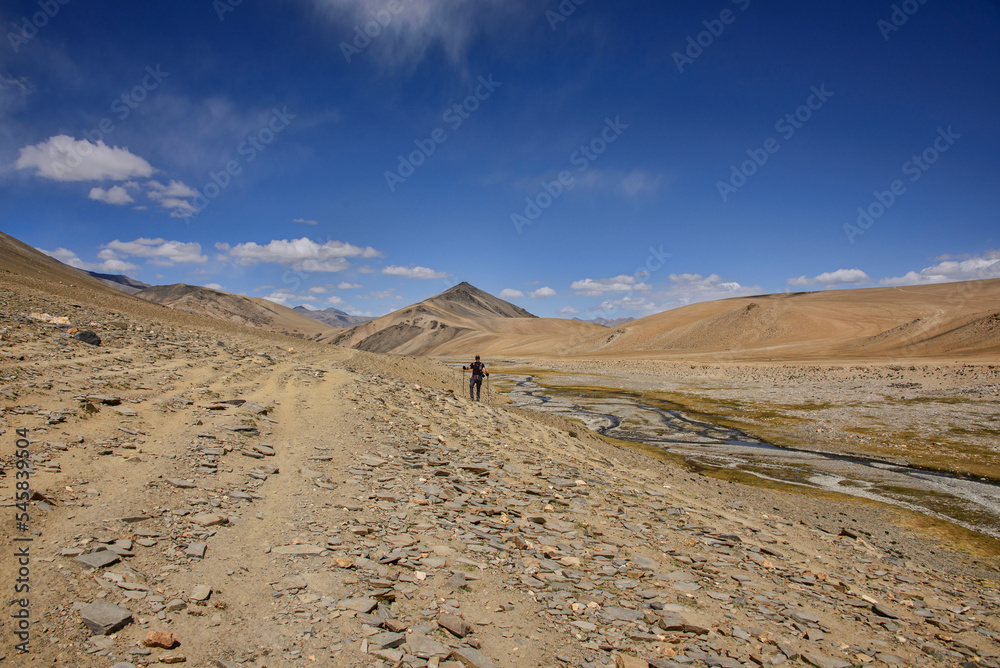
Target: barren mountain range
{"x": 951, "y": 320}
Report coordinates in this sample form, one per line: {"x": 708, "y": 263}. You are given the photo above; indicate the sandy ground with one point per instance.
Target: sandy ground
{"x": 350, "y": 509}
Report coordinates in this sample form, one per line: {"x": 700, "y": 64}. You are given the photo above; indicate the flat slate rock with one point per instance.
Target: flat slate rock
{"x": 424, "y": 647}
{"x": 104, "y": 617}
{"x": 824, "y": 662}
{"x": 299, "y": 550}
{"x": 363, "y": 605}
{"x": 472, "y": 658}
{"x": 98, "y": 559}
{"x": 181, "y": 483}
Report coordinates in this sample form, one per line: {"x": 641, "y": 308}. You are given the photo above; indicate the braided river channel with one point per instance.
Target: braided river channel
{"x": 971, "y": 502}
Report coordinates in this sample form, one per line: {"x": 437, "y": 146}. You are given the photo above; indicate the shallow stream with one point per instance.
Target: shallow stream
{"x": 970, "y": 502}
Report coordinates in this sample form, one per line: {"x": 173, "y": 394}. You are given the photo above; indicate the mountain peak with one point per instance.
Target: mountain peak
{"x": 469, "y": 299}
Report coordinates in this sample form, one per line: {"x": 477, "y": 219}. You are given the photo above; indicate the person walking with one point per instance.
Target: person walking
{"x": 478, "y": 372}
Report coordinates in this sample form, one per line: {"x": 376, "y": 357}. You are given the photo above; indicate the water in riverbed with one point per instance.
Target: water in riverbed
{"x": 972, "y": 503}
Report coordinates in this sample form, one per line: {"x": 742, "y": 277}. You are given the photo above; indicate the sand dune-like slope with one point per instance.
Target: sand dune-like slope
{"x": 920, "y": 321}
{"x": 242, "y": 310}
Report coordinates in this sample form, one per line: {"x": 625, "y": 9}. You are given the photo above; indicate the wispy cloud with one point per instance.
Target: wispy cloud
{"x": 301, "y": 254}
{"x": 156, "y": 251}
{"x": 590, "y": 287}
{"x": 108, "y": 266}
{"x": 404, "y": 37}
{"x": 414, "y": 272}
{"x": 974, "y": 268}
{"x": 833, "y": 278}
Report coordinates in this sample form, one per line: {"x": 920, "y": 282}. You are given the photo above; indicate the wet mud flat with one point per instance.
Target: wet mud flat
{"x": 704, "y": 444}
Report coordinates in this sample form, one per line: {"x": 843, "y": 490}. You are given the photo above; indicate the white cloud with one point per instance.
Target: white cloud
{"x": 116, "y": 195}
{"x": 62, "y": 158}
{"x": 510, "y": 293}
{"x": 690, "y": 288}
{"x": 302, "y": 254}
{"x": 349, "y": 286}
{"x": 158, "y": 251}
{"x": 173, "y": 197}
{"x": 109, "y": 266}
{"x": 157, "y": 191}
{"x": 281, "y": 297}
{"x": 214, "y": 286}
{"x": 413, "y": 272}
{"x": 542, "y": 293}
{"x": 334, "y": 300}
{"x": 974, "y": 268}
{"x": 307, "y": 222}
{"x": 630, "y": 184}
{"x": 590, "y": 287}
{"x": 179, "y": 208}
{"x": 638, "y": 182}
{"x": 639, "y": 306}
{"x": 568, "y": 312}
{"x": 317, "y": 290}
{"x": 420, "y": 25}
{"x": 832, "y": 278}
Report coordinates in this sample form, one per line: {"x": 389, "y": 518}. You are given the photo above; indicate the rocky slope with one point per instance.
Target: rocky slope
{"x": 272, "y": 502}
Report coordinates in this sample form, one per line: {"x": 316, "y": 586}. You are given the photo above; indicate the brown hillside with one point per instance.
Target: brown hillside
{"x": 941, "y": 320}
{"x": 238, "y": 309}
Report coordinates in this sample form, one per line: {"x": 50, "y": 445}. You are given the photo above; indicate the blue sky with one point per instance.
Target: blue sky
{"x": 579, "y": 158}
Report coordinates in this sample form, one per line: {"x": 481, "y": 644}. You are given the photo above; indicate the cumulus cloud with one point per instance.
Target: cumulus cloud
{"x": 974, "y": 268}
{"x": 301, "y": 254}
{"x": 590, "y": 287}
{"x": 349, "y": 286}
{"x": 108, "y": 266}
{"x": 62, "y": 158}
{"x": 157, "y": 191}
{"x": 510, "y": 293}
{"x": 690, "y": 288}
{"x": 833, "y": 278}
{"x": 413, "y": 272}
{"x": 157, "y": 251}
{"x": 173, "y": 197}
{"x": 542, "y": 293}
{"x": 568, "y": 312}
{"x": 405, "y": 36}
{"x": 214, "y": 286}
{"x": 116, "y": 195}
